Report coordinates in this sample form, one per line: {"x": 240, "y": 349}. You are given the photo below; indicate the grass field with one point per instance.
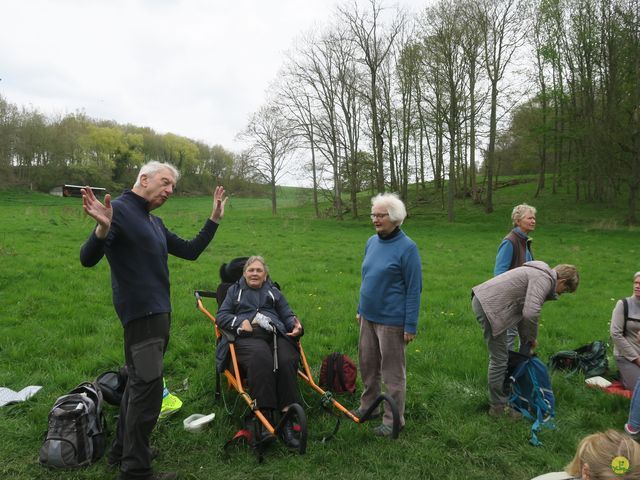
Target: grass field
{"x": 58, "y": 328}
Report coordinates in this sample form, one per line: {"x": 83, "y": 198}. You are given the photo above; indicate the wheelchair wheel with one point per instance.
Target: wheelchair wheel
{"x": 391, "y": 404}
{"x": 296, "y": 415}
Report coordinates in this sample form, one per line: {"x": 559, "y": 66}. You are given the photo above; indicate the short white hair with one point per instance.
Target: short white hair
{"x": 519, "y": 211}
{"x": 151, "y": 168}
{"x": 636, "y": 275}
{"x": 395, "y": 207}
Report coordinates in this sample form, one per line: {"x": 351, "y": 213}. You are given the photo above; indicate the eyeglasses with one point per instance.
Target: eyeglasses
{"x": 378, "y": 215}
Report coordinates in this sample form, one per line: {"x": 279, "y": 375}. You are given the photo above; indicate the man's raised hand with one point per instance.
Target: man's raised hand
{"x": 218, "y": 204}
{"x": 101, "y": 213}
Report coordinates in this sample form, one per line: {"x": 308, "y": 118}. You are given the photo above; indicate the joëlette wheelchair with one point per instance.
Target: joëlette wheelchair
{"x": 253, "y": 433}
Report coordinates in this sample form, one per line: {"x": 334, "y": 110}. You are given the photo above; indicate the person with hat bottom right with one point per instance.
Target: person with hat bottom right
{"x": 609, "y": 455}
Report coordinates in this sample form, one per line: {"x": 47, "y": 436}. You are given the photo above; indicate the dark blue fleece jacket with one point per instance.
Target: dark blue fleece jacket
{"x": 137, "y": 248}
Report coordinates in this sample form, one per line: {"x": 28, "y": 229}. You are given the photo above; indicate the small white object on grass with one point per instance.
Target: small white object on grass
{"x": 197, "y": 421}
{"x": 598, "y": 382}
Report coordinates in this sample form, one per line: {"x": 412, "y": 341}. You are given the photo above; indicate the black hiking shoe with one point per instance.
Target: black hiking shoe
{"x": 289, "y": 435}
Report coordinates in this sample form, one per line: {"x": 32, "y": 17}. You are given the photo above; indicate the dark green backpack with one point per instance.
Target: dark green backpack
{"x": 591, "y": 360}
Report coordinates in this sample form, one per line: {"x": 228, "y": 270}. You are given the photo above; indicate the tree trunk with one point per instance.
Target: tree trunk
{"x": 492, "y": 146}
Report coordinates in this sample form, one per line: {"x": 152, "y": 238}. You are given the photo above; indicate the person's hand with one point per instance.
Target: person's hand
{"x": 101, "y": 213}
{"x": 218, "y": 204}
{"x": 245, "y": 326}
{"x": 409, "y": 337}
{"x": 297, "y": 329}
{"x": 358, "y": 318}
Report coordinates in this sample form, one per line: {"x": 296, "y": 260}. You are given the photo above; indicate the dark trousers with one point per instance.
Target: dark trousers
{"x": 145, "y": 341}
{"x": 269, "y": 389}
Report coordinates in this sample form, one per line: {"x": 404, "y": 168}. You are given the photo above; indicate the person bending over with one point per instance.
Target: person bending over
{"x": 515, "y": 299}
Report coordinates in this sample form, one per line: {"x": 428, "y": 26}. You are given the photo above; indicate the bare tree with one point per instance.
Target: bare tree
{"x": 271, "y": 141}
{"x": 317, "y": 68}
{"x": 374, "y": 42}
{"x": 443, "y": 45}
{"x": 471, "y": 46}
{"x": 432, "y": 114}
{"x": 295, "y": 101}
{"x": 502, "y": 28}
{"x": 407, "y": 68}
{"x": 349, "y": 113}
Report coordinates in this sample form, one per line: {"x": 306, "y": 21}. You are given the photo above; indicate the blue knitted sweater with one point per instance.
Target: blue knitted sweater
{"x": 391, "y": 282}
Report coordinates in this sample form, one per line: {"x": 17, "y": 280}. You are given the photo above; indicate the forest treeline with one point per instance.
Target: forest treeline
{"x": 455, "y": 95}
{"x": 43, "y": 152}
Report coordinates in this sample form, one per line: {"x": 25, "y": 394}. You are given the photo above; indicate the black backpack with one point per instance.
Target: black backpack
{"x": 77, "y": 429}
{"x": 591, "y": 360}
{"x": 112, "y": 384}
{"x": 338, "y": 373}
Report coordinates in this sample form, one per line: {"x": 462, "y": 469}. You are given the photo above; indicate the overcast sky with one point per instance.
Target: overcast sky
{"x": 197, "y": 68}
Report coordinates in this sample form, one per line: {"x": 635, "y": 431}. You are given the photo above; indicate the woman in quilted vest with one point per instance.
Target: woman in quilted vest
{"x": 515, "y": 249}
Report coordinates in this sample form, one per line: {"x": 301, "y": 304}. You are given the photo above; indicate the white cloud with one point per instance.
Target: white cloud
{"x": 197, "y": 68}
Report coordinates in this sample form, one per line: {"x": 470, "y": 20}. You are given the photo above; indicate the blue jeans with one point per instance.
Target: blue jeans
{"x": 634, "y": 409}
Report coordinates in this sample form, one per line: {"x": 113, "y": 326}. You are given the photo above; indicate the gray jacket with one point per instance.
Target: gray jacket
{"x": 515, "y": 298}
{"x": 625, "y": 340}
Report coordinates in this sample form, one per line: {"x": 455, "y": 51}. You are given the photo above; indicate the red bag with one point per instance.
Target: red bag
{"x": 338, "y": 373}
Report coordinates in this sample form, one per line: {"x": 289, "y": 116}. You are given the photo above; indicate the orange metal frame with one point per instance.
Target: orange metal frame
{"x": 234, "y": 380}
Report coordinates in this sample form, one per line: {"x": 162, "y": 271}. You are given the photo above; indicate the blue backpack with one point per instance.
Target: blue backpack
{"x": 532, "y": 395}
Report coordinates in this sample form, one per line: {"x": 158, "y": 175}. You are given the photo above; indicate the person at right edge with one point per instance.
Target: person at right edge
{"x": 515, "y": 250}
{"x": 625, "y": 334}
{"x": 388, "y": 309}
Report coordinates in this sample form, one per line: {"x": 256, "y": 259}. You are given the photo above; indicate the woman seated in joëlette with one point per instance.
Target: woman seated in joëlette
{"x": 265, "y": 332}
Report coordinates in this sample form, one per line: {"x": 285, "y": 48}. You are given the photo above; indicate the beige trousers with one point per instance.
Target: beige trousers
{"x": 381, "y": 354}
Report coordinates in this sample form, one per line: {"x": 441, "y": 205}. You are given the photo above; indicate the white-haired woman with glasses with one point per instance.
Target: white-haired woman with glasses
{"x": 389, "y": 307}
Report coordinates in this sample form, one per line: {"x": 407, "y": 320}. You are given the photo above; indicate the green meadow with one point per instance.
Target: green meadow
{"x": 58, "y": 328}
